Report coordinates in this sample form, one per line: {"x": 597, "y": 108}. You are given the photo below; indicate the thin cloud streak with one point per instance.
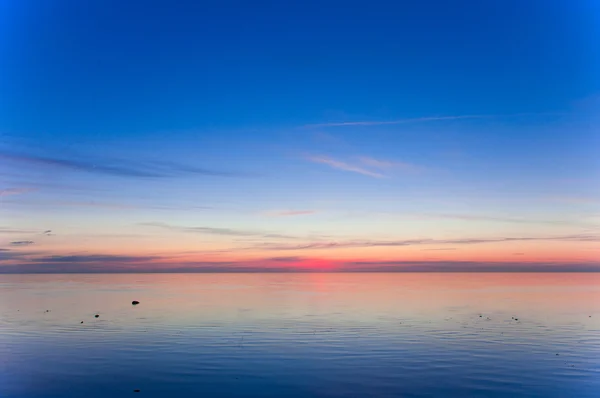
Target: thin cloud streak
{"x": 22, "y": 243}
{"x": 16, "y": 191}
{"x": 4, "y": 230}
{"x": 103, "y": 205}
{"x": 94, "y": 258}
{"x": 336, "y": 164}
{"x": 288, "y": 213}
{"x": 419, "y": 242}
{"x": 576, "y": 200}
{"x": 218, "y": 231}
{"x": 388, "y": 165}
{"x": 366, "y": 165}
{"x": 400, "y": 121}
{"x": 468, "y": 217}
{"x": 468, "y": 266}
{"x": 422, "y": 119}
{"x": 114, "y": 167}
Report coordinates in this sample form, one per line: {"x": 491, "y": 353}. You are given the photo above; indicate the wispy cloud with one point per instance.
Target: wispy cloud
{"x": 15, "y": 191}
{"x": 398, "y": 121}
{"x": 219, "y": 231}
{"x": 4, "y": 230}
{"x": 103, "y": 205}
{"x": 18, "y": 262}
{"x": 365, "y": 165}
{"x": 94, "y": 258}
{"x": 420, "y": 242}
{"x": 336, "y": 164}
{"x": 287, "y": 259}
{"x": 576, "y": 200}
{"x": 468, "y": 266}
{"x": 388, "y": 165}
{"x": 113, "y": 167}
{"x": 22, "y": 243}
{"x": 288, "y": 213}
{"x": 421, "y": 120}
{"x": 472, "y": 217}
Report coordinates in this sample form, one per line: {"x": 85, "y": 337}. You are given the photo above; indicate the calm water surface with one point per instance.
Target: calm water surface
{"x": 300, "y": 335}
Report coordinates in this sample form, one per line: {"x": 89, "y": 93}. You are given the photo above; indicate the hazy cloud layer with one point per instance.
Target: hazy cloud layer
{"x": 99, "y": 263}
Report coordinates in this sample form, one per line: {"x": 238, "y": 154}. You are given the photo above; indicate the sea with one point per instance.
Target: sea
{"x": 300, "y": 335}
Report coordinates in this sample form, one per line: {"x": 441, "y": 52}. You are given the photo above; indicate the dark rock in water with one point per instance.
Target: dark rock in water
{"x": 96, "y": 316}
{"x": 136, "y": 390}
{"x": 135, "y": 302}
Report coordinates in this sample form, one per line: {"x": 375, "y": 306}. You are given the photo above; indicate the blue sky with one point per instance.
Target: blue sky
{"x": 327, "y": 121}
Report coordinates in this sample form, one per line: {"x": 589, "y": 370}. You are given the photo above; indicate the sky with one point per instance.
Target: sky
{"x": 202, "y": 136}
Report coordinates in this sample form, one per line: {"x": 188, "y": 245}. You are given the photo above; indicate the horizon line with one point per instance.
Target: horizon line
{"x": 526, "y": 271}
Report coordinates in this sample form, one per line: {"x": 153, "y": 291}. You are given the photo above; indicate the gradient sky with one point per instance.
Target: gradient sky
{"x": 201, "y": 135}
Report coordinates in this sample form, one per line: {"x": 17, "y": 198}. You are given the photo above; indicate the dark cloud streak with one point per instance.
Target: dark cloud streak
{"x": 416, "y": 242}
{"x": 115, "y": 167}
{"x": 219, "y": 231}
{"x": 22, "y": 243}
